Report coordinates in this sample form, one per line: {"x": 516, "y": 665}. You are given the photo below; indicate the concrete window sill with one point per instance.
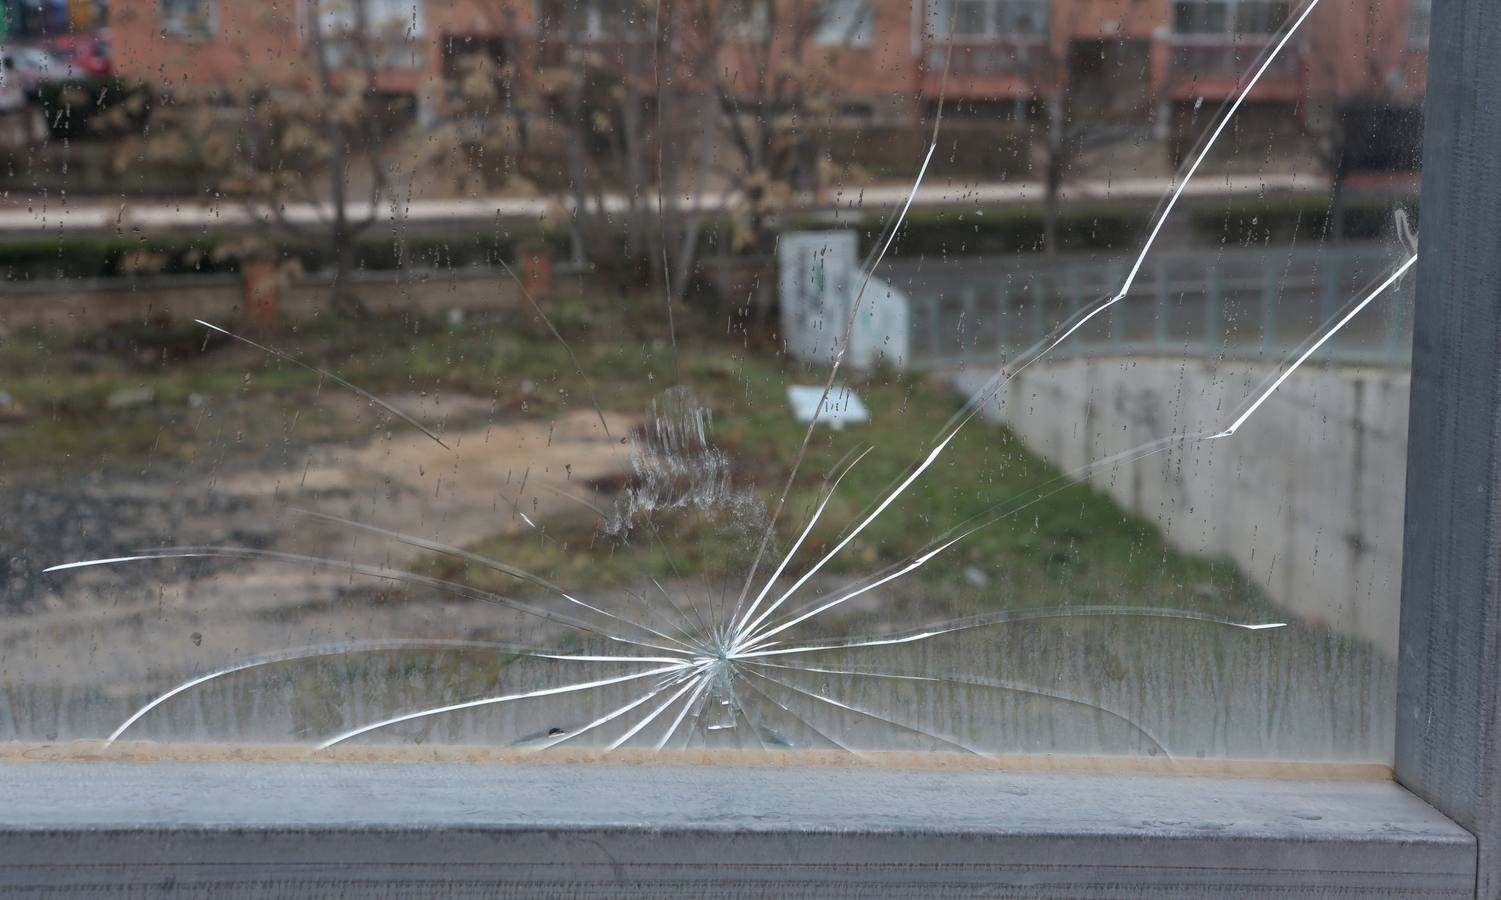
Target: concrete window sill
{"x": 298, "y": 829}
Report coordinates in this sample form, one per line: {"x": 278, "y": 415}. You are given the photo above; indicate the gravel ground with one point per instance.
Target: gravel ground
{"x": 44, "y": 524}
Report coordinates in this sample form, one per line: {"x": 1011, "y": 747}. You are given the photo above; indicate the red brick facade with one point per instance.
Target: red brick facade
{"x": 1148, "y": 47}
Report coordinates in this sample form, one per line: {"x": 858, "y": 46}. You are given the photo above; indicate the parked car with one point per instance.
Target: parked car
{"x": 21, "y": 123}
{"x": 12, "y": 89}
{"x": 87, "y": 55}
{"x": 35, "y": 67}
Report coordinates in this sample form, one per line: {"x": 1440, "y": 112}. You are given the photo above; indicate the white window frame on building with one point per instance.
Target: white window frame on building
{"x": 189, "y": 19}
{"x": 745, "y": 21}
{"x": 846, "y": 23}
{"x": 335, "y": 18}
{"x": 1229, "y": 20}
{"x": 989, "y": 21}
{"x": 605, "y": 21}
{"x": 1419, "y": 13}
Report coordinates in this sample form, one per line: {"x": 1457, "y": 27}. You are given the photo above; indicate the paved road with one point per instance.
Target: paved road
{"x": 53, "y": 215}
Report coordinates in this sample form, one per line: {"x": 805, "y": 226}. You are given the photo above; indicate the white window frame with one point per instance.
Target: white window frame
{"x": 607, "y": 21}
{"x": 318, "y": 829}
{"x": 845, "y": 23}
{"x": 178, "y": 25}
{"x": 745, "y": 21}
{"x": 1229, "y": 33}
{"x": 997, "y": 20}
{"x": 334, "y": 20}
{"x": 1419, "y": 14}
{"x": 594, "y": 22}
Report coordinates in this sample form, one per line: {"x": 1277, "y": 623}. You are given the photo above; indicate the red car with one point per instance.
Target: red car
{"x": 83, "y": 55}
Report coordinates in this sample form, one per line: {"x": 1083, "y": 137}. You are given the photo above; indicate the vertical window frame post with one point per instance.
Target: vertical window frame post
{"x": 1448, "y": 748}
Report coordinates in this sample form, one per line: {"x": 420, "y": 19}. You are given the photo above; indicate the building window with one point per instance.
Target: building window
{"x": 1418, "y": 14}
{"x": 845, "y": 22}
{"x": 389, "y": 32}
{"x": 985, "y": 20}
{"x": 1230, "y": 19}
{"x": 189, "y": 18}
{"x": 744, "y": 20}
{"x": 463, "y": 52}
{"x": 969, "y": 18}
{"x": 597, "y": 22}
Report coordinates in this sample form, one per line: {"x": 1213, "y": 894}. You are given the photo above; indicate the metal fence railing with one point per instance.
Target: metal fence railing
{"x": 1259, "y": 304}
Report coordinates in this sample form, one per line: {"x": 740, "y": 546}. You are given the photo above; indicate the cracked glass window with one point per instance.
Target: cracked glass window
{"x": 861, "y": 380}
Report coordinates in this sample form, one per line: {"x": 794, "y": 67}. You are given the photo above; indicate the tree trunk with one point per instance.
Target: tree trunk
{"x": 1337, "y": 207}
{"x": 688, "y": 252}
{"x": 1334, "y": 146}
{"x": 1053, "y": 177}
{"x": 636, "y": 187}
{"x": 1050, "y": 212}
{"x": 344, "y": 297}
{"x": 573, "y": 99}
{"x": 345, "y": 300}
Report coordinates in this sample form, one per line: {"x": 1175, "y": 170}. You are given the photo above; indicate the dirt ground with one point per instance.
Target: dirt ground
{"x": 121, "y": 625}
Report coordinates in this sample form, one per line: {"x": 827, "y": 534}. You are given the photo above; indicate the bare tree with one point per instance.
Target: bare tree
{"x": 593, "y": 64}
{"x": 351, "y": 135}
{"x": 313, "y": 134}
{"x": 1080, "y": 118}
{"x": 769, "y": 96}
{"x": 660, "y": 102}
{"x": 475, "y": 137}
{"x": 1352, "y": 81}
{"x": 623, "y": 77}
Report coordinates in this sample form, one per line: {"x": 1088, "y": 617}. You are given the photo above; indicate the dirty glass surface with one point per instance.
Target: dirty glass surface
{"x": 976, "y": 377}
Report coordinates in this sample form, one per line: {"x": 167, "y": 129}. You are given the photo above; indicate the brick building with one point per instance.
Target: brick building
{"x": 1154, "y": 59}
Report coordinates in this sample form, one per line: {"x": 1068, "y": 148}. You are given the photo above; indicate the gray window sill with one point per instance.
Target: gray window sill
{"x": 243, "y": 829}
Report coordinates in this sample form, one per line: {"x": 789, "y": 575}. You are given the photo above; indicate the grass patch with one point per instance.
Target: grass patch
{"x": 225, "y": 405}
{"x": 1075, "y": 547}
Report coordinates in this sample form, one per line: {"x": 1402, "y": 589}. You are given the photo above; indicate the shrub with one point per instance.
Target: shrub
{"x": 1281, "y": 220}
{"x": 106, "y": 256}
{"x": 999, "y": 230}
{"x": 95, "y": 107}
{"x": 992, "y": 152}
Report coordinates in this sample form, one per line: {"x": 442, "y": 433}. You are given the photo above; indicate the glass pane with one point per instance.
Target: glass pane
{"x": 845, "y": 22}
{"x": 1258, "y": 17}
{"x": 970, "y": 17}
{"x": 1201, "y": 16}
{"x": 180, "y": 18}
{"x": 1026, "y": 17}
{"x": 586, "y": 376}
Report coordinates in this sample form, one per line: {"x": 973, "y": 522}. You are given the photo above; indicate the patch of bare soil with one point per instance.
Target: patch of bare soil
{"x": 117, "y": 627}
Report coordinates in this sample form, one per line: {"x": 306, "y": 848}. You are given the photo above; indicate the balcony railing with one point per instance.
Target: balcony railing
{"x": 1227, "y": 59}
{"x": 610, "y": 46}
{"x": 1011, "y": 57}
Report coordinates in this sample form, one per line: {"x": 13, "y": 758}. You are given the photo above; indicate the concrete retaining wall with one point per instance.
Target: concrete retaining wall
{"x": 1307, "y": 497}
